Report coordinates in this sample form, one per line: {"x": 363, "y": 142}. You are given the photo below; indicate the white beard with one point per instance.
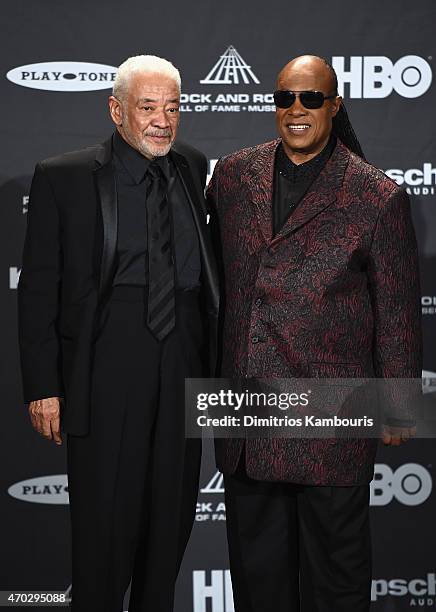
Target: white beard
{"x": 140, "y": 144}
{"x": 152, "y": 151}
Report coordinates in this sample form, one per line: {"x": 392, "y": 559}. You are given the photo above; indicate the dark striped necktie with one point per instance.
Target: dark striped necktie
{"x": 161, "y": 308}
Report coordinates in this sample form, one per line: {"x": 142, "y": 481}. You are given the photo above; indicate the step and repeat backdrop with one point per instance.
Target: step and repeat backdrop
{"x": 57, "y": 64}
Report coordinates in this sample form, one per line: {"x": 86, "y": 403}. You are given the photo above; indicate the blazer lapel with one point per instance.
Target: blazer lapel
{"x": 321, "y": 194}
{"x": 193, "y": 191}
{"x": 259, "y": 182}
{"x": 195, "y": 197}
{"x": 106, "y": 188}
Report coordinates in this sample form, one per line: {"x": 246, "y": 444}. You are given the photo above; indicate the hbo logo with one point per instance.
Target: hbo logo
{"x": 410, "y": 484}
{"x": 377, "y": 77}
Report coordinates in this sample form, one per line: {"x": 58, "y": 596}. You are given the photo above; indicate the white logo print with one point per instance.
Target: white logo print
{"x": 63, "y": 76}
{"x": 410, "y": 484}
{"x": 14, "y": 275}
{"x": 428, "y": 380}
{"x": 42, "y": 490}
{"x": 422, "y": 588}
{"x": 418, "y": 181}
{"x": 212, "y": 590}
{"x": 378, "y": 76}
{"x": 229, "y": 69}
{"x": 215, "y": 484}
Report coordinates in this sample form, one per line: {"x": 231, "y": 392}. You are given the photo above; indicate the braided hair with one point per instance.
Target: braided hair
{"x": 342, "y": 127}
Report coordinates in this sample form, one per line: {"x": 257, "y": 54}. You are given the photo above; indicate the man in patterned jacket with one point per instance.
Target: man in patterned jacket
{"x": 320, "y": 274}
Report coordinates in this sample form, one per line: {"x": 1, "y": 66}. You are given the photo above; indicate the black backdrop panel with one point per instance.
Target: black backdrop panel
{"x": 56, "y": 59}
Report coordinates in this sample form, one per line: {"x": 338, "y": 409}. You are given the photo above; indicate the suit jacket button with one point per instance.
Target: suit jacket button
{"x": 255, "y": 339}
{"x": 258, "y": 302}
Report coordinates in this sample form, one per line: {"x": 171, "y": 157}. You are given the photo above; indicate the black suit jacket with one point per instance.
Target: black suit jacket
{"x": 68, "y": 265}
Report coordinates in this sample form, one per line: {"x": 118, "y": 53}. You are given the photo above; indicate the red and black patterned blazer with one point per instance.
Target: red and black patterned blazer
{"x": 334, "y": 294}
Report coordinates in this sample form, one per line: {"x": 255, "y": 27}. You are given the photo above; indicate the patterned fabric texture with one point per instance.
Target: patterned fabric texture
{"x": 334, "y": 294}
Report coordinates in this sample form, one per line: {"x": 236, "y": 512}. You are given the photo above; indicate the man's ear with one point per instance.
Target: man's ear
{"x": 336, "y": 105}
{"x": 116, "y": 110}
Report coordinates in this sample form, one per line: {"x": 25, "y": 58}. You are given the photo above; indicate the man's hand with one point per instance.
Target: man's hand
{"x": 394, "y": 436}
{"x": 45, "y": 417}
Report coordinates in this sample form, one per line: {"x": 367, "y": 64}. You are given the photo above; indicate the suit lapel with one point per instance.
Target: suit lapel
{"x": 321, "y": 194}
{"x": 193, "y": 192}
{"x": 192, "y": 189}
{"x": 195, "y": 197}
{"x": 106, "y": 188}
{"x": 260, "y": 184}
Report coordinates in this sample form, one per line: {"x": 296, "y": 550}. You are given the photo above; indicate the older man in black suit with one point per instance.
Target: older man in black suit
{"x": 117, "y": 305}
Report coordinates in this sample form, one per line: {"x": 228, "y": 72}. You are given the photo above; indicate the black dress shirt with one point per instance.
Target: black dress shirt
{"x": 292, "y": 181}
{"x": 132, "y": 182}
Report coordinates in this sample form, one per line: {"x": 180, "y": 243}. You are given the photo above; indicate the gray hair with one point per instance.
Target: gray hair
{"x": 143, "y": 63}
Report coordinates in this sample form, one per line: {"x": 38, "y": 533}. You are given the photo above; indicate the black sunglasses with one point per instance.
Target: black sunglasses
{"x": 309, "y": 99}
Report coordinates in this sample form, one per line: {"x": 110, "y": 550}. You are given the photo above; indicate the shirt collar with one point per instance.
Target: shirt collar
{"x": 134, "y": 162}
{"x": 308, "y": 170}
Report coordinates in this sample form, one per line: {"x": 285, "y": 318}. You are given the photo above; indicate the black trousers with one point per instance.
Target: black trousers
{"x": 297, "y": 548}
{"x": 133, "y": 479}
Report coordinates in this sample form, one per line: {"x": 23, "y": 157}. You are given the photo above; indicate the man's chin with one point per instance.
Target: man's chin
{"x": 156, "y": 150}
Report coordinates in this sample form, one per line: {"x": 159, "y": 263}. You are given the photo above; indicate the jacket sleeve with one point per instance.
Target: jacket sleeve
{"x": 212, "y": 203}
{"x": 38, "y": 294}
{"x": 396, "y": 301}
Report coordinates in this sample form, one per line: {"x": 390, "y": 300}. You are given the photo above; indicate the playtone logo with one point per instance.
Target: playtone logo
{"x": 63, "y": 76}
{"x": 421, "y": 591}
{"x": 378, "y": 76}
{"x": 418, "y": 181}
{"x": 42, "y": 490}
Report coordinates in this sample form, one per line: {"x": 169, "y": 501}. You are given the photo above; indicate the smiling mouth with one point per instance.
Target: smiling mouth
{"x": 298, "y": 128}
{"x": 159, "y": 137}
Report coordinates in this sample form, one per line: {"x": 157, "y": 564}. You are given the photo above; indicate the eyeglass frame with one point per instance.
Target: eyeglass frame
{"x": 297, "y": 93}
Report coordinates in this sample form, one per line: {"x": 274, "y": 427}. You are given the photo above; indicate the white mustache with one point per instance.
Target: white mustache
{"x": 161, "y": 133}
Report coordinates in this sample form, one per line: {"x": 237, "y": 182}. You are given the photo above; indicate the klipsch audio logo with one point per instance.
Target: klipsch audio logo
{"x": 418, "y": 181}
{"x": 230, "y": 69}
{"x": 42, "y": 490}
{"x": 410, "y": 484}
{"x": 63, "y": 76}
{"x": 378, "y": 76}
{"x": 420, "y": 592}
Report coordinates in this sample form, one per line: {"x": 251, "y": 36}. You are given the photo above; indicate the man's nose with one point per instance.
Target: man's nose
{"x": 297, "y": 109}
{"x": 160, "y": 119}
